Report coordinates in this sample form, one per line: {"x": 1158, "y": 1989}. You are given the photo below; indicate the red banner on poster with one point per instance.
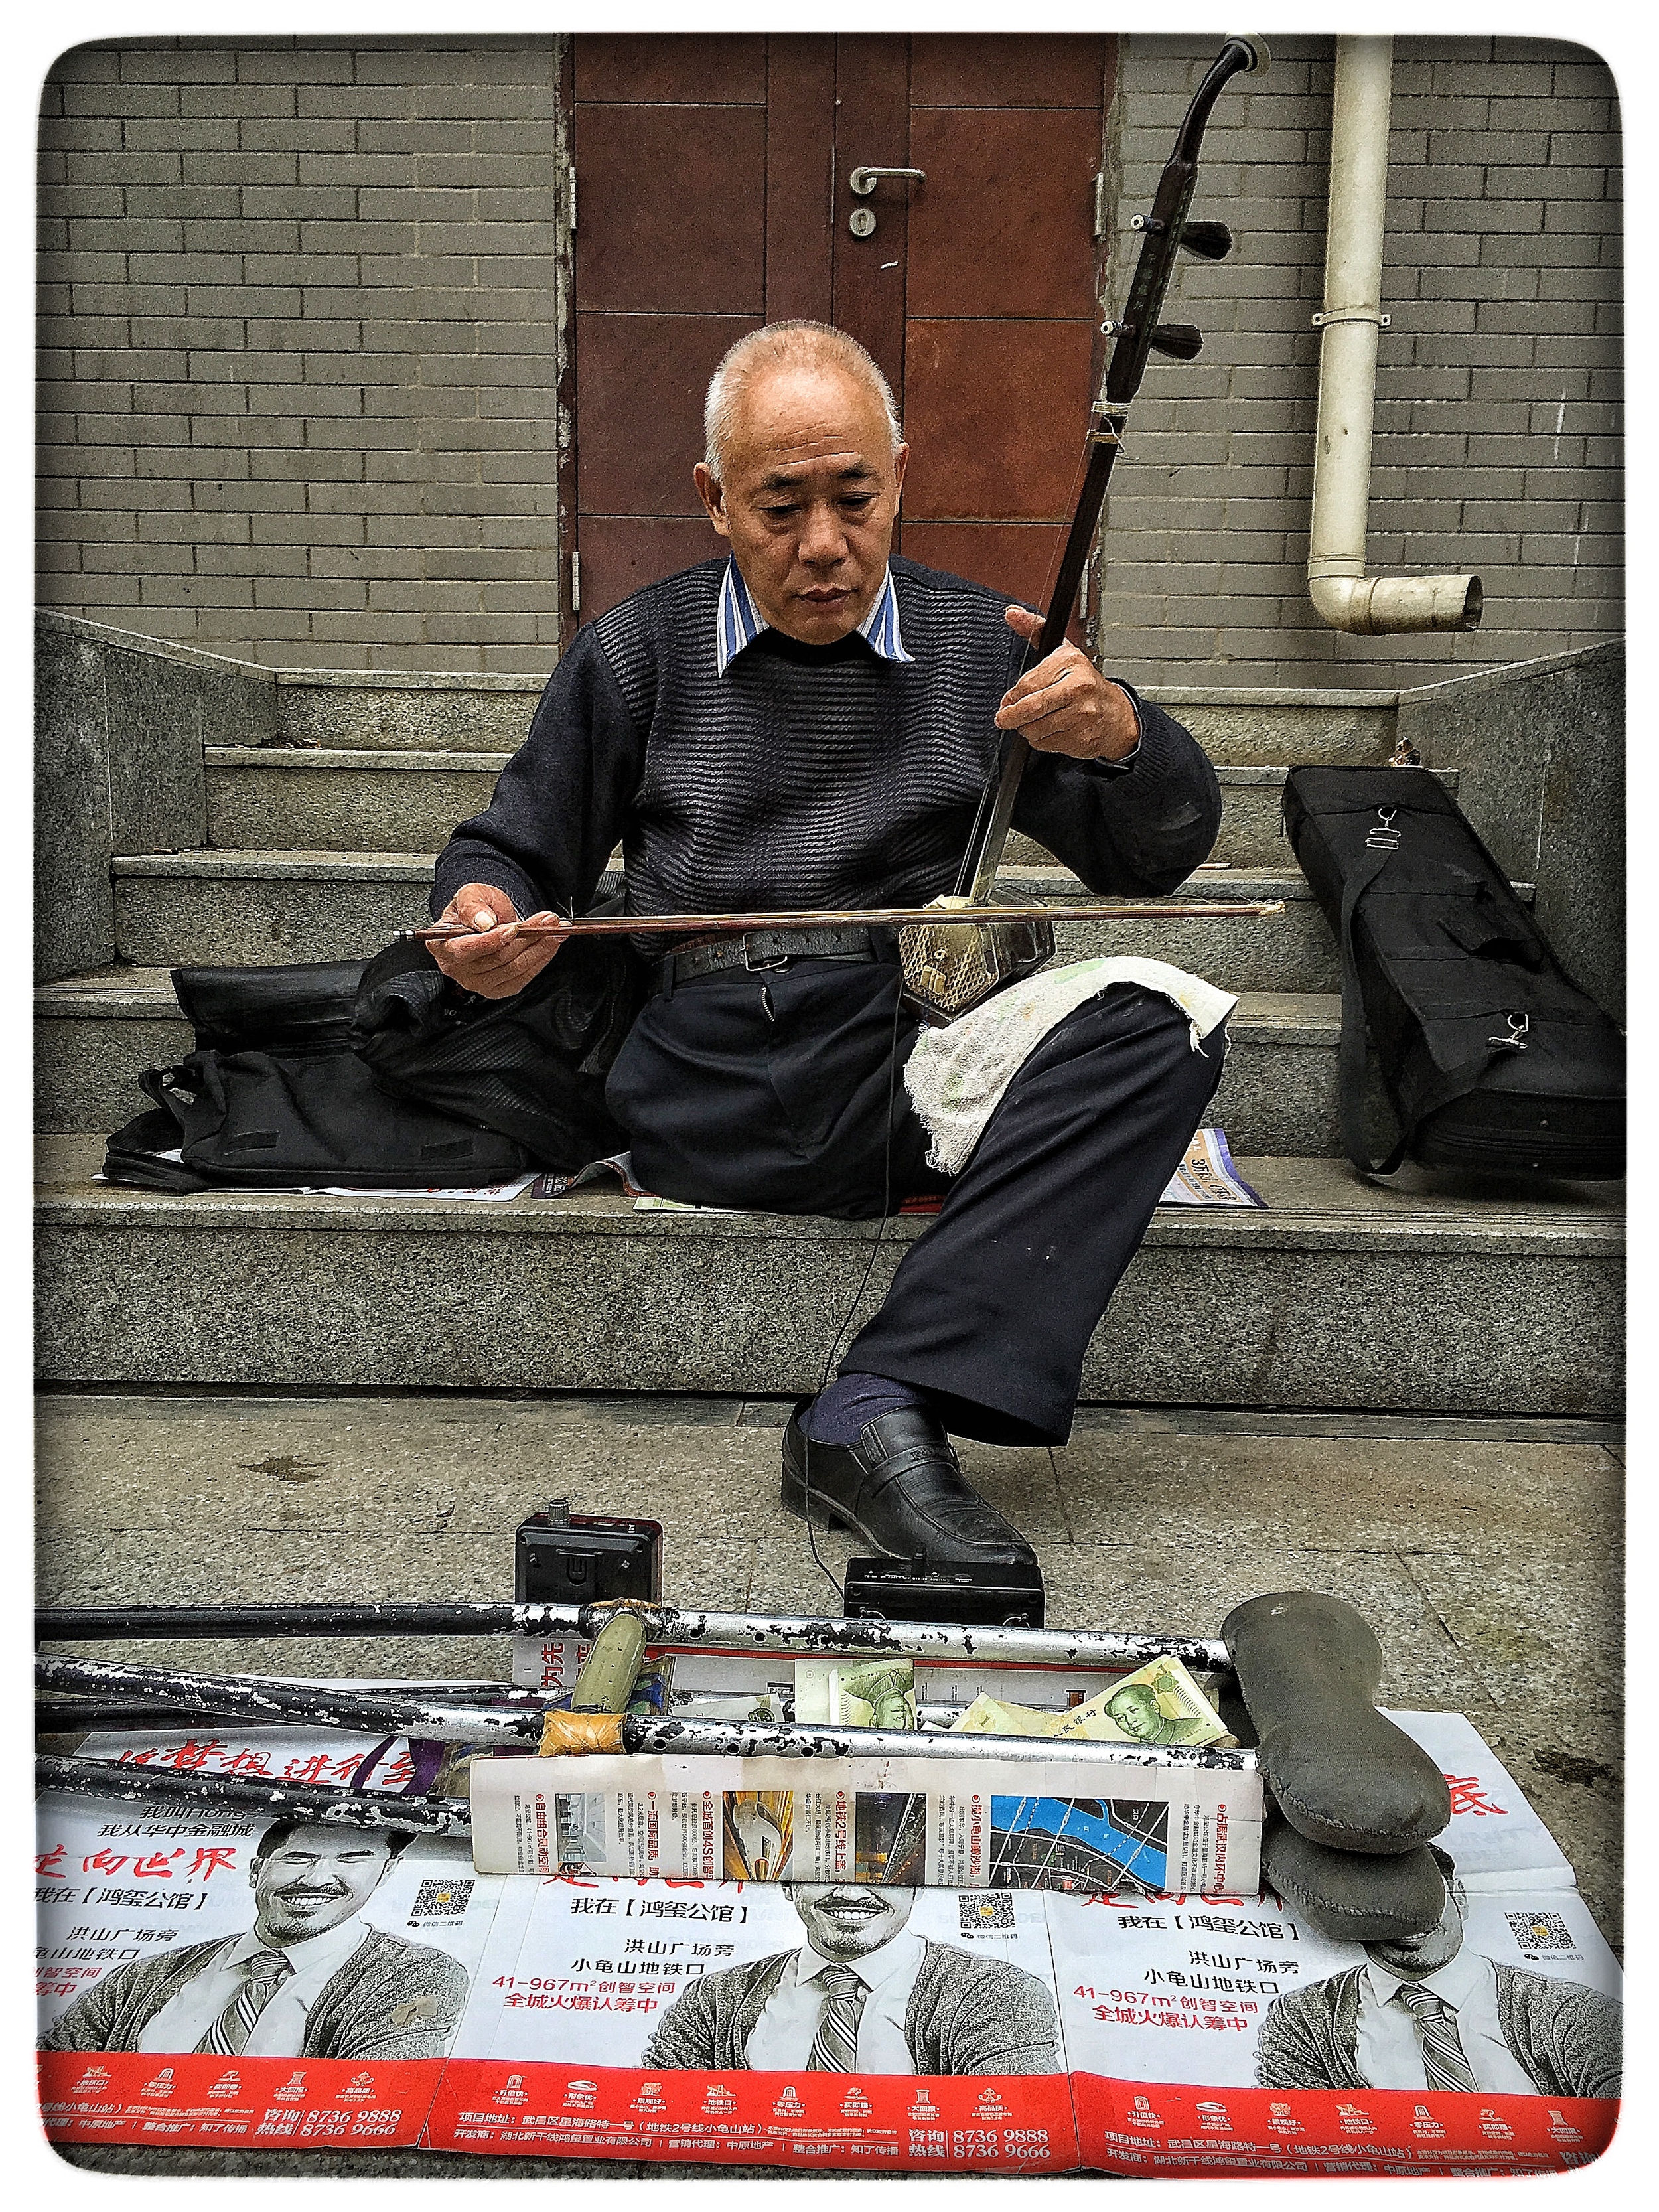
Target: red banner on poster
{"x": 135, "y": 2097}
{"x": 910, "y": 2123}
{"x": 1164, "y": 2128}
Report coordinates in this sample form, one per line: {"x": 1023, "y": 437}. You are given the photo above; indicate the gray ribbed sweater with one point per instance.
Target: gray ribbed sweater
{"x": 390, "y": 1999}
{"x": 806, "y": 776}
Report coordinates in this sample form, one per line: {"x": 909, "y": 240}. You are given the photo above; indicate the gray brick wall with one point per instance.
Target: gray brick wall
{"x": 299, "y": 327}
{"x": 300, "y": 313}
{"x": 1498, "y": 383}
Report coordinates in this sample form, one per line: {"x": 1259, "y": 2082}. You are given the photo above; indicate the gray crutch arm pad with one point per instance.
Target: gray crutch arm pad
{"x": 1308, "y": 1671}
{"x": 1353, "y": 1897}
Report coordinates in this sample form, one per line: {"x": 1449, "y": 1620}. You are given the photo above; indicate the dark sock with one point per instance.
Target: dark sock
{"x": 839, "y": 1414}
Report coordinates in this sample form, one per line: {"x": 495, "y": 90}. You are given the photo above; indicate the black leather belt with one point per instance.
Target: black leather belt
{"x": 761, "y": 952}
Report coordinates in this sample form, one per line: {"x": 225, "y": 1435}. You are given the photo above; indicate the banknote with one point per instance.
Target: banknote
{"x": 1160, "y": 1703}
{"x": 856, "y": 1693}
{"x": 989, "y": 1716}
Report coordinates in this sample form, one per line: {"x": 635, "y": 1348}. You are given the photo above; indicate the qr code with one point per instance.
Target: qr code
{"x": 983, "y": 1911}
{"x": 1541, "y": 1931}
{"x": 440, "y": 1900}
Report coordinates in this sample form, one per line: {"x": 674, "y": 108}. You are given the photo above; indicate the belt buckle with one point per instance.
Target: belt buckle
{"x": 762, "y": 966}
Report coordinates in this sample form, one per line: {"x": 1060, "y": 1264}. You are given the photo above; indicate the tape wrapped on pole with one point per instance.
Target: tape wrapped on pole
{"x": 577, "y": 1734}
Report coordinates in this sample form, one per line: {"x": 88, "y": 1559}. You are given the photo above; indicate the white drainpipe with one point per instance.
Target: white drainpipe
{"x": 1342, "y": 593}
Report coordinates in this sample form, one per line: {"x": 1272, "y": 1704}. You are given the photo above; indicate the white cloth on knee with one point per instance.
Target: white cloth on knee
{"x": 957, "y": 1075}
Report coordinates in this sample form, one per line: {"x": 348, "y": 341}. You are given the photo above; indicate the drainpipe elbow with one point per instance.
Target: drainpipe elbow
{"x": 1387, "y": 607}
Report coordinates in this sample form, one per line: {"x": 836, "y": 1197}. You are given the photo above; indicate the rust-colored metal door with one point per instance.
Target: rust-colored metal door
{"x": 714, "y": 192}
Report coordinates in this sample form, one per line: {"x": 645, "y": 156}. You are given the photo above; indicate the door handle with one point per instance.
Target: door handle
{"x": 864, "y": 180}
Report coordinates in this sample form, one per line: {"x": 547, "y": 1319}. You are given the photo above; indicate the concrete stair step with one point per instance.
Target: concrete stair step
{"x": 1427, "y": 1295}
{"x": 360, "y": 799}
{"x": 95, "y": 1034}
{"x": 457, "y": 713}
{"x": 422, "y": 711}
{"x": 343, "y": 799}
{"x": 209, "y": 908}
{"x": 1266, "y": 726}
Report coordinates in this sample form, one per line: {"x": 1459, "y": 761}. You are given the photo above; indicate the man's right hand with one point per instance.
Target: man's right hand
{"x": 495, "y": 961}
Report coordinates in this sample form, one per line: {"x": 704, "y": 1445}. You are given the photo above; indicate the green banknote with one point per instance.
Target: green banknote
{"x": 1160, "y": 1703}
{"x": 856, "y": 1693}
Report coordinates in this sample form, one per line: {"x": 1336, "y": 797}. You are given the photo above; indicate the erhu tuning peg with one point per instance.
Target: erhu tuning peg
{"x": 1211, "y": 241}
{"x": 1181, "y": 341}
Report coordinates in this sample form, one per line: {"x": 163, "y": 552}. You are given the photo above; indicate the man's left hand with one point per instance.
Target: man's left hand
{"x": 1064, "y": 705}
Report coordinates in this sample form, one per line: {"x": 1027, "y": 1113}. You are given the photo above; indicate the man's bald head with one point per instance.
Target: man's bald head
{"x": 805, "y": 476}
{"x": 813, "y": 348}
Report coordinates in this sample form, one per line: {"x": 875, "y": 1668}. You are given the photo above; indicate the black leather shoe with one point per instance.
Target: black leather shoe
{"x": 902, "y": 1487}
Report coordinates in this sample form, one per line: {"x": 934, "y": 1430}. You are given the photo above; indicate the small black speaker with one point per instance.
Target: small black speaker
{"x": 561, "y": 1558}
{"x": 921, "y": 1590}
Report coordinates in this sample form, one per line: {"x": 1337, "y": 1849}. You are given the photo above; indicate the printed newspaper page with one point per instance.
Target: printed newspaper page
{"x": 977, "y": 1822}
{"x": 691, "y": 2020}
{"x": 840, "y": 2023}
{"x": 1495, "y": 1837}
{"x": 210, "y": 1978}
{"x": 1206, "y": 2036}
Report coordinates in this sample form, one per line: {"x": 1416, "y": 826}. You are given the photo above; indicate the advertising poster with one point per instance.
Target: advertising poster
{"x": 797, "y": 2024}
{"x": 208, "y": 1979}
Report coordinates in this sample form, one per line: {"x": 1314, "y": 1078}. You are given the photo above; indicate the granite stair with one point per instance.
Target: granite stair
{"x": 347, "y": 799}
{"x": 95, "y": 1034}
{"x": 322, "y": 805}
{"x": 1337, "y": 1294}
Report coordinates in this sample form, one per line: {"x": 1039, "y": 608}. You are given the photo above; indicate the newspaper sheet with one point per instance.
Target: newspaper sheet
{"x": 1207, "y": 1176}
{"x": 1004, "y": 1825}
{"x": 153, "y": 1922}
{"x": 827, "y": 2024}
{"x": 675, "y": 2020}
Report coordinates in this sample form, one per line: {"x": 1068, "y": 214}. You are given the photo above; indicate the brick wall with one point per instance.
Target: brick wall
{"x": 299, "y": 323}
{"x": 1497, "y": 418}
{"x": 301, "y": 303}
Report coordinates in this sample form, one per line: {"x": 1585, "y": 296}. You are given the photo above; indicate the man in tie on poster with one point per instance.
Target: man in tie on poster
{"x": 863, "y": 1994}
{"x": 310, "y": 1979}
{"x": 1429, "y": 2012}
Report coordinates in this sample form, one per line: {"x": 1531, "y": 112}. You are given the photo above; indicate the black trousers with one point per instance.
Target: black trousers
{"x": 784, "y": 1092}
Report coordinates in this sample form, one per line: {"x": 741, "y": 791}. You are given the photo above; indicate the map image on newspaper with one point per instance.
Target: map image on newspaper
{"x": 1078, "y": 1843}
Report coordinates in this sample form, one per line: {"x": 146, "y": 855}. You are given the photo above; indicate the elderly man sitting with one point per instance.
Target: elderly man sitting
{"x": 808, "y": 723}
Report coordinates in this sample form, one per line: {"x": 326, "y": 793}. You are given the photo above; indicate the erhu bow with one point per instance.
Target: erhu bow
{"x": 948, "y": 966}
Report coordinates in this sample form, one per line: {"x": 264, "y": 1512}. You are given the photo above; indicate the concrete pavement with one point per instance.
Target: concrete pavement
{"x": 1485, "y": 1553}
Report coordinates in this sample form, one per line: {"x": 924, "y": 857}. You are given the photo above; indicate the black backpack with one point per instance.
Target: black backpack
{"x": 382, "y": 1075}
{"x": 532, "y": 1067}
{"x": 1493, "y": 1057}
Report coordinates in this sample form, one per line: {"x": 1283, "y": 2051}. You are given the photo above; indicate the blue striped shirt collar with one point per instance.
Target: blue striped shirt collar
{"x": 739, "y": 622}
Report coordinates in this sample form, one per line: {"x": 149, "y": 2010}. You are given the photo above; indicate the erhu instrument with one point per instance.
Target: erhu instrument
{"x": 950, "y": 967}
